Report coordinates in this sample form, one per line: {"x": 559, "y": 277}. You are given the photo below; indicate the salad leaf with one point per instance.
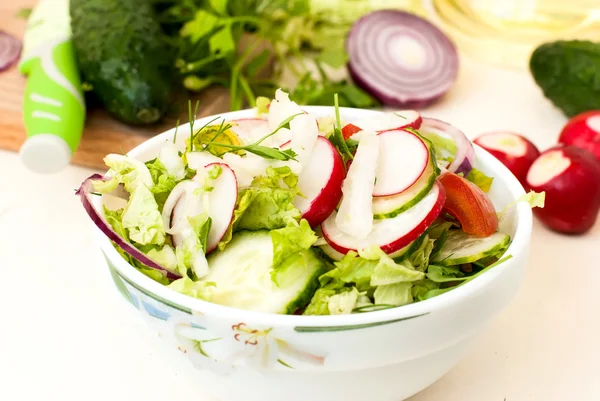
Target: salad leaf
{"x": 115, "y": 219}
{"x": 319, "y": 304}
{"x": 142, "y": 218}
{"x": 164, "y": 182}
{"x": 289, "y": 240}
{"x": 419, "y": 258}
{"x": 262, "y": 105}
{"x": 126, "y": 170}
{"x": 444, "y": 148}
{"x": 197, "y": 289}
{"x": 190, "y": 255}
{"x": 444, "y": 274}
{"x": 343, "y": 302}
{"x": 478, "y": 178}
{"x": 172, "y": 161}
{"x": 422, "y": 287}
{"x": 165, "y": 257}
{"x": 351, "y": 269}
{"x": 389, "y": 272}
{"x": 201, "y": 225}
{"x": 535, "y": 199}
{"x": 397, "y": 294}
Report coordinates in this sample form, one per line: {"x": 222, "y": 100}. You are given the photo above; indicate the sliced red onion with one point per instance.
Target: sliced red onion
{"x": 84, "y": 192}
{"x": 10, "y": 49}
{"x": 401, "y": 59}
{"x": 464, "y": 159}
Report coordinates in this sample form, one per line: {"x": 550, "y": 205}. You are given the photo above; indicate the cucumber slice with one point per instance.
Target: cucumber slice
{"x": 387, "y": 207}
{"x": 243, "y": 275}
{"x": 462, "y": 248}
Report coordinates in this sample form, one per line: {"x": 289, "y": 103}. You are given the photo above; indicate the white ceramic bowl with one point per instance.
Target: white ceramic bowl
{"x": 387, "y": 355}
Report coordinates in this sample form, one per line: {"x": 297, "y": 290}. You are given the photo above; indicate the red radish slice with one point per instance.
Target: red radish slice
{"x": 218, "y": 203}
{"x": 464, "y": 159}
{"x": 583, "y": 131}
{"x": 570, "y": 176}
{"x": 390, "y": 121}
{"x": 403, "y": 157}
{"x": 84, "y": 193}
{"x": 401, "y": 59}
{"x": 513, "y": 150}
{"x": 355, "y": 215}
{"x": 393, "y": 234}
{"x": 222, "y": 201}
{"x": 320, "y": 183}
{"x": 10, "y": 49}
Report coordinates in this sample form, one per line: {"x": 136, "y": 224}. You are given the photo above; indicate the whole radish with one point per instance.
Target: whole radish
{"x": 583, "y": 131}
{"x": 570, "y": 176}
{"x": 516, "y": 152}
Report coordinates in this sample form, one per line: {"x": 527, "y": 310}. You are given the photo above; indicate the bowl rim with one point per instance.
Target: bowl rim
{"x": 517, "y": 248}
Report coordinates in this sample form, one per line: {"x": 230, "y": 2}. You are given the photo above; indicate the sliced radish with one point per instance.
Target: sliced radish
{"x": 332, "y": 253}
{"x": 570, "y": 176}
{"x": 218, "y": 203}
{"x": 386, "y": 207}
{"x": 355, "y": 215}
{"x": 391, "y": 235}
{"x": 391, "y": 121}
{"x": 250, "y": 130}
{"x": 403, "y": 157}
{"x": 222, "y": 201}
{"x": 304, "y": 132}
{"x": 281, "y": 108}
{"x": 198, "y": 160}
{"x": 320, "y": 183}
{"x": 516, "y": 152}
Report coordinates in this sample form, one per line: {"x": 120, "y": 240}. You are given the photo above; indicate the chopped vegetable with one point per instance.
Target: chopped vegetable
{"x": 583, "y": 131}
{"x": 10, "y": 49}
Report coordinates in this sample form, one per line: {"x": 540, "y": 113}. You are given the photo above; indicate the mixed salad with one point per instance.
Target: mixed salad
{"x": 289, "y": 213}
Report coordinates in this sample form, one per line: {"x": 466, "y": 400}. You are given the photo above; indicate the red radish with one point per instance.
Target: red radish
{"x": 570, "y": 176}
{"x": 386, "y": 122}
{"x": 391, "y": 235}
{"x": 403, "y": 157}
{"x": 469, "y": 205}
{"x": 320, "y": 183}
{"x": 218, "y": 203}
{"x": 583, "y": 131}
{"x": 516, "y": 152}
{"x": 400, "y": 58}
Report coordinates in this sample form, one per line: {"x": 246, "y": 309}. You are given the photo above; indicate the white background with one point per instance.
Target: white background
{"x": 66, "y": 334}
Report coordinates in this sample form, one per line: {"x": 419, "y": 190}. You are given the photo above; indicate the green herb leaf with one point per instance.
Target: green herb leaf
{"x": 222, "y": 42}
{"x": 202, "y": 25}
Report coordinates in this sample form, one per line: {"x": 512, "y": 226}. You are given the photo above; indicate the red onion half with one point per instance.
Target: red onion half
{"x": 464, "y": 159}
{"x": 84, "y": 193}
{"x": 10, "y": 49}
{"x": 401, "y": 59}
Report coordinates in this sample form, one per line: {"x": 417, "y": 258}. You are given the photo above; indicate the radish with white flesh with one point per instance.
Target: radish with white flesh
{"x": 570, "y": 176}
{"x": 391, "y": 235}
{"x": 281, "y": 108}
{"x": 401, "y": 59}
{"x": 516, "y": 152}
{"x": 389, "y": 121}
{"x": 385, "y": 207}
{"x": 219, "y": 204}
{"x": 198, "y": 160}
{"x": 249, "y": 129}
{"x": 403, "y": 157}
{"x": 320, "y": 183}
{"x": 355, "y": 215}
{"x": 304, "y": 132}
{"x": 583, "y": 131}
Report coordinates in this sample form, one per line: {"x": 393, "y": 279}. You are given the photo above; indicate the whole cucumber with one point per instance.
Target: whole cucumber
{"x": 122, "y": 53}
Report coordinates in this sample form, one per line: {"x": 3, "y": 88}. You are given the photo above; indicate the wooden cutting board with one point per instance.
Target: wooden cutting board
{"x": 102, "y": 134}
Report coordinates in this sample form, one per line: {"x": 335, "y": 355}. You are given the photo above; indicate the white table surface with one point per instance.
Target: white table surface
{"x": 67, "y": 335}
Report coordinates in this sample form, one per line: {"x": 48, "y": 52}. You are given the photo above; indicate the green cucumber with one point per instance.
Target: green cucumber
{"x": 244, "y": 277}
{"x": 461, "y": 247}
{"x": 387, "y": 207}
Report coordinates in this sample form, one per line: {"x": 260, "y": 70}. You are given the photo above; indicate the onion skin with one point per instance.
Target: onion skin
{"x": 10, "y": 50}
{"x": 573, "y": 196}
{"x": 392, "y": 79}
{"x": 84, "y": 192}
{"x": 464, "y": 159}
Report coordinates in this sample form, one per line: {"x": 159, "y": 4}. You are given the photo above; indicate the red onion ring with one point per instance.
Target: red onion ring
{"x": 377, "y": 65}
{"x": 84, "y": 193}
{"x": 10, "y": 50}
{"x": 464, "y": 160}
